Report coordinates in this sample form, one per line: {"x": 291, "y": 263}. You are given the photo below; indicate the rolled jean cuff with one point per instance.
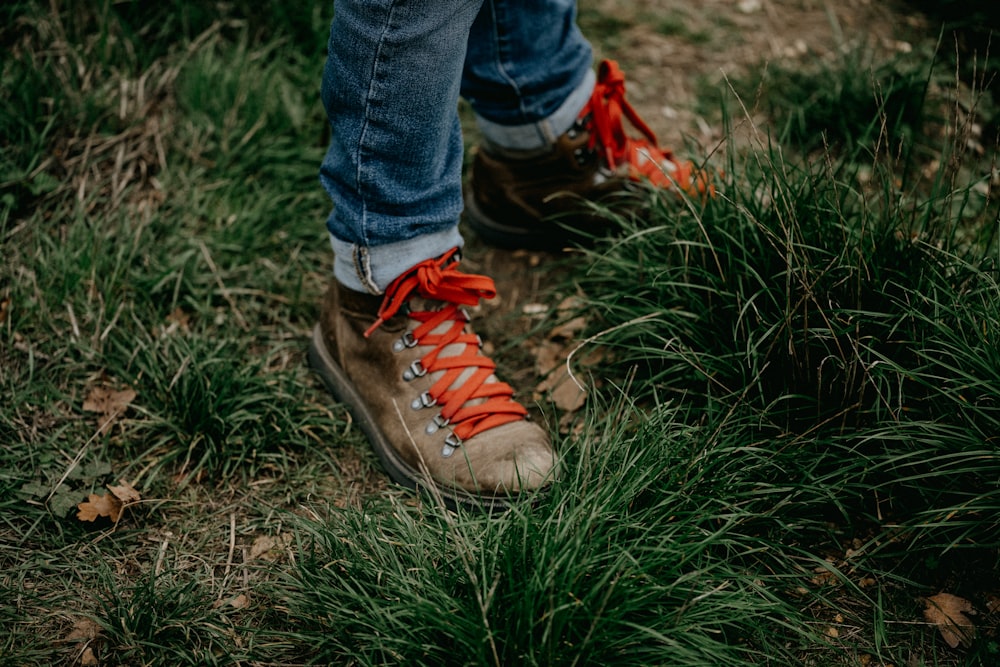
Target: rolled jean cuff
{"x": 540, "y": 134}
{"x": 371, "y": 268}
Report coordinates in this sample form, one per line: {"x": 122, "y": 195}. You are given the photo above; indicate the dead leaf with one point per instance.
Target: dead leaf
{"x": 97, "y": 506}
{"x": 569, "y": 304}
{"x": 592, "y": 355}
{"x": 547, "y": 357}
{"x": 125, "y": 492}
{"x": 110, "y": 505}
{"x": 261, "y": 545}
{"x": 241, "y": 601}
{"x": 948, "y": 613}
{"x": 268, "y": 548}
{"x": 110, "y": 403}
{"x": 4, "y": 309}
{"x": 84, "y": 629}
{"x": 179, "y": 319}
{"x": 563, "y": 391}
{"x": 568, "y": 330}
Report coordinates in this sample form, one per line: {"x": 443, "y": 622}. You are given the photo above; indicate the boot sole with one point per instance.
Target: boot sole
{"x": 401, "y": 472}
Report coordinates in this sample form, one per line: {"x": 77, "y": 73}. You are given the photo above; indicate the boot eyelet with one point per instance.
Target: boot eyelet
{"x": 451, "y": 443}
{"x": 405, "y": 341}
{"x": 415, "y": 370}
{"x": 436, "y": 424}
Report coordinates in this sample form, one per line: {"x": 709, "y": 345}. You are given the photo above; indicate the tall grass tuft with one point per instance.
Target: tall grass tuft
{"x": 858, "y": 100}
{"x": 623, "y": 561}
{"x": 839, "y": 320}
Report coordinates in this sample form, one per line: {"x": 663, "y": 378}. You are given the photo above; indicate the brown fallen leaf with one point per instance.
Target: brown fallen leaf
{"x": 548, "y": 356}
{"x": 268, "y": 548}
{"x": 178, "y": 319}
{"x": 568, "y": 330}
{"x": 84, "y": 629}
{"x": 110, "y": 505}
{"x": 83, "y": 632}
{"x": 241, "y": 601}
{"x": 97, "y": 506}
{"x": 109, "y": 403}
{"x": 125, "y": 492}
{"x": 563, "y": 391}
{"x": 88, "y": 659}
{"x": 948, "y": 613}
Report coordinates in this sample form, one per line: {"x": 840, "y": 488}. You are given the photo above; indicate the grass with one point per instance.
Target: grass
{"x": 620, "y": 564}
{"x": 819, "y": 104}
{"x": 791, "y": 441}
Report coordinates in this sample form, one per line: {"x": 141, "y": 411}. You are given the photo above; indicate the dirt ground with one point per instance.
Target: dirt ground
{"x": 713, "y": 39}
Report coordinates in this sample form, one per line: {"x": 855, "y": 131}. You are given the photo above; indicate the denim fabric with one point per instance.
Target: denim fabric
{"x": 393, "y": 76}
{"x": 528, "y": 71}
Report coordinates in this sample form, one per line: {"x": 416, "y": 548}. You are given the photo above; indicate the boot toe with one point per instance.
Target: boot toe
{"x": 508, "y": 459}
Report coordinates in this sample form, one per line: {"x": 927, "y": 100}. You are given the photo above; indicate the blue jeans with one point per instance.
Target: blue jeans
{"x": 393, "y": 77}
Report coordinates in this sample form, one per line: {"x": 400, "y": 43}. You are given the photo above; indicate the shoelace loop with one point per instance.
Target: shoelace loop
{"x": 474, "y": 405}
{"x": 434, "y": 279}
{"x": 607, "y": 109}
{"x": 607, "y": 106}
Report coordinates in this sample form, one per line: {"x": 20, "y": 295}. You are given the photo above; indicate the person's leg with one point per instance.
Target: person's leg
{"x": 393, "y": 168}
{"x": 393, "y": 341}
{"x": 528, "y": 72}
{"x": 554, "y": 138}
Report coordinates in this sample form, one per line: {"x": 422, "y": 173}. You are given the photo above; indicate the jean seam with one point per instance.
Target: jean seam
{"x": 370, "y": 98}
{"x": 501, "y": 56}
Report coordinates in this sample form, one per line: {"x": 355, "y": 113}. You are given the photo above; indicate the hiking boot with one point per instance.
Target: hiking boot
{"x": 412, "y": 372}
{"x": 539, "y": 200}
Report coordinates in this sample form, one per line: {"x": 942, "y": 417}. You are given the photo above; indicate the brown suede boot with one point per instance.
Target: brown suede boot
{"x": 540, "y": 200}
{"x": 410, "y": 369}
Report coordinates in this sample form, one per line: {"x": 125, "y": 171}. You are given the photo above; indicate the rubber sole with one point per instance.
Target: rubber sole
{"x": 401, "y": 472}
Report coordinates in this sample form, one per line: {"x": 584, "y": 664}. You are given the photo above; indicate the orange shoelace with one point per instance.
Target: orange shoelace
{"x": 607, "y": 109}
{"x": 475, "y": 405}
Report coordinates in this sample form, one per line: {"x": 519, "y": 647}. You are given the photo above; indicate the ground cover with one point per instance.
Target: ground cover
{"x": 777, "y": 409}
